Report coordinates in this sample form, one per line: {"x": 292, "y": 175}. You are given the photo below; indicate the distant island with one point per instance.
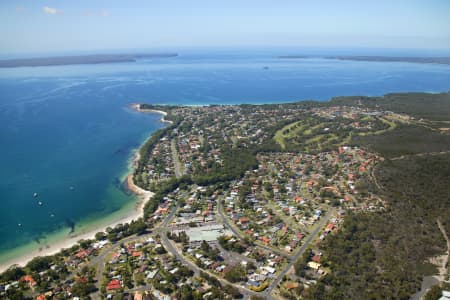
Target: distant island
{"x": 79, "y": 60}
{"x": 423, "y": 60}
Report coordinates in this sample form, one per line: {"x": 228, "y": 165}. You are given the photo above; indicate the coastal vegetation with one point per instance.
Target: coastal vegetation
{"x": 422, "y": 60}
{"x": 77, "y": 60}
{"x": 385, "y": 254}
{"x": 431, "y": 107}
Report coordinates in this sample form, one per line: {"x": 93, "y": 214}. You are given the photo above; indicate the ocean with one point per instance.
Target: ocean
{"x": 67, "y": 132}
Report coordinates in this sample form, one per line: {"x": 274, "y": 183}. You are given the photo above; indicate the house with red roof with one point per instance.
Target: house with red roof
{"x": 114, "y": 285}
{"x": 316, "y": 258}
{"x": 30, "y": 280}
{"x": 284, "y": 230}
{"x": 330, "y": 227}
{"x": 291, "y": 285}
{"x": 138, "y": 296}
{"x": 244, "y": 220}
{"x": 298, "y": 199}
{"x": 265, "y": 240}
{"x": 81, "y": 279}
{"x": 136, "y": 253}
{"x": 83, "y": 254}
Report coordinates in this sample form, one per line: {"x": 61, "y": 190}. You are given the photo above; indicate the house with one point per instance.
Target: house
{"x": 316, "y": 258}
{"x": 160, "y": 296}
{"x": 257, "y": 277}
{"x": 313, "y": 265}
{"x": 152, "y": 274}
{"x": 330, "y": 227}
{"x": 83, "y": 254}
{"x": 138, "y": 296}
{"x": 284, "y": 230}
{"x": 298, "y": 199}
{"x": 269, "y": 269}
{"x": 114, "y": 285}
{"x": 81, "y": 279}
{"x": 445, "y": 295}
{"x": 265, "y": 240}
{"x": 136, "y": 253}
{"x": 300, "y": 236}
{"x": 28, "y": 279}
{"x": 293, "y": 244}
{"x": 244, "y": 220}
{"x": 291, "y": 285}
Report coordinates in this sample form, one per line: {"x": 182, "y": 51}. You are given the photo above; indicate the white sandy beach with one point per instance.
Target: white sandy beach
{"x": 138, "y": 108}
{"x": 50, "y": 248}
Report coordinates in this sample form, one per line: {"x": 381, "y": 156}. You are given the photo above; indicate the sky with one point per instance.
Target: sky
{"x": 36, "y": 26}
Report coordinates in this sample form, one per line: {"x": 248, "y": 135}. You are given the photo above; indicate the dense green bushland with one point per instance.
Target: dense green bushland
{"x": 383, "y": 255}
{"x": 405, "y": 140}
{"x": 435, "y": 107}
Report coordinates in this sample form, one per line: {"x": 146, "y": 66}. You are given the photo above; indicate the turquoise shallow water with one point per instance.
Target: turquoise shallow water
{"x": 70, "y": 126}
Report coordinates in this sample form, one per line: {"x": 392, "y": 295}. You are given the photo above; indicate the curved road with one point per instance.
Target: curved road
{"x": 172, "y": 249}
{"x": 99, "y": 261}
{"x": 239, "y": 235}
{"x": 292, "y": 258}
{"x": 162, "y": 228}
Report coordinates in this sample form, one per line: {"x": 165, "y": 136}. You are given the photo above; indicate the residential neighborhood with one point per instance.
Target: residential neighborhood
{"x": 238, "y": 213}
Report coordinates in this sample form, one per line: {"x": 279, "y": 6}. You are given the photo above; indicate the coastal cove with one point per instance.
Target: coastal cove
{"x": 74, "y": 126}
{"x": 88, "y": 227}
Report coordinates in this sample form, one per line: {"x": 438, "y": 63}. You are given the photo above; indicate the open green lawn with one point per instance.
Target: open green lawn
{"x": 309, "y": 134}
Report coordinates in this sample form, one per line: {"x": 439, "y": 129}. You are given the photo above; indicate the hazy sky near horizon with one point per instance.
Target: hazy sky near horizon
{"x": 33, "y": 26}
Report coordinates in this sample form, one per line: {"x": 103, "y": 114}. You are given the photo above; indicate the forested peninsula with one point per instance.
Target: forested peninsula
{"x": 79, "y": 60}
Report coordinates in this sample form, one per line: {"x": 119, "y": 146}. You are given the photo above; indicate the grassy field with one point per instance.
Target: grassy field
{"x": 316, "y": 134}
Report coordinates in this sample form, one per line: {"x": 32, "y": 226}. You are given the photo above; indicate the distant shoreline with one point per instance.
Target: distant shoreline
{"x": 420, "y": 60}
{"x": 79, "y": 60}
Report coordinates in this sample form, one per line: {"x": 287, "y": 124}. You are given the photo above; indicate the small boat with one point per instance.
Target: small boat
{"x": 20, "y": 224}
{"x": 40, "y": 203}
{"x": 71, "y": 188}
{"x": 35, "y": 195}
{"x": 52, "y": 215}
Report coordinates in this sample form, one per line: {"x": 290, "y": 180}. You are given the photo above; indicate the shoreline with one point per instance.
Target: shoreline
{"x": 50, "y": 247}
{"x": 137, "y": 107}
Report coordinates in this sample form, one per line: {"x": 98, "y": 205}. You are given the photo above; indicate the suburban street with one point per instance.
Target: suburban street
{"x": 162, "y": 228}
{"x": 173, "y": 250}
{"x": 300, "y": 251}
{"x": 239, "y": 235}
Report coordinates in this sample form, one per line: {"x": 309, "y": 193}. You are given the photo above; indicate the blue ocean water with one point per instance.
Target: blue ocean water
{"x": 67, "y": 133}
